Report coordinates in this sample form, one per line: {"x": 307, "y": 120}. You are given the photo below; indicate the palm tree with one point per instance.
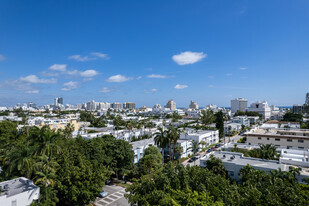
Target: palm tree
{"x": 268, "y": 151}
{"x": 161, "y": 139}
{"x": 173, "y": 136}
{"x": 68, "y": 131}
{"x": 178, "y": 149}
{"x": 21, "y": 160}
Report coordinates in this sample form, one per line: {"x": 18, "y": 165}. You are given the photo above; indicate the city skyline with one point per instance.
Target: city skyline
{"x": 150, "y": 52}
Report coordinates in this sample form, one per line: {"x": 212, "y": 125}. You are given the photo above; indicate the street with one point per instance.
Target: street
{"x": 115, "y": 197}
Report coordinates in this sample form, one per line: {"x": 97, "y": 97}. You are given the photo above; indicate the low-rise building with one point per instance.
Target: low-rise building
{"x": 140, "y": 146}
{"x": 289, "y": 138}
{"x": 207, "y": 136}
{"x": 233, "y": 162}
{"x": 18, "y": 192}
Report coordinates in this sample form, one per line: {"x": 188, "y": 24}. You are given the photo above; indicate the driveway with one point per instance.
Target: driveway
{"x": 115, "y": 197}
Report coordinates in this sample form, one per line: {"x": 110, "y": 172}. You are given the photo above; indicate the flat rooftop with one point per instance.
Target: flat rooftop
{"x": 16, "y": 186}
{"x": 280, "y": 132}
{"x": 142, "y": 143}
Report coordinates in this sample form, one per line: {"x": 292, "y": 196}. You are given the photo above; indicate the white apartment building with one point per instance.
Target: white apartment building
{"x": 193, "y": 105}
{"x": 186, "y": 145}
{"x": 239, "y": 104}
{"x": 233, "y": 162}
{"x": 243, "y": 120}
{"x": 230, "y": 128}
{"x": 18, "y": 192}
{"x": 171, "y": 105}
{"x": 129, "y": 105}
{"x": 116, "y": 105}
{"x": 208, "y": 136}
{"x": 139, "y": 148}
{"x": 288, "y": 138}
{"x": 261, "y": 108}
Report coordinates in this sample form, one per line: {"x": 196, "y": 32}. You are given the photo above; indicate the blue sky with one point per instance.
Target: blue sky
{"x": 152, "y": 51}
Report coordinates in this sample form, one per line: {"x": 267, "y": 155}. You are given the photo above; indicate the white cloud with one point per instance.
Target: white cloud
{"x": 80, "y": 58}
{"x": 210, "y": 86}
{"x": 105, "y": 90}
{"x": 188, "y": 57}
{"x": 2, "y": 58}
{"x": 180, "y": 86}
{"x": 242, "y": 68}
{"x": 211, "y": 77}
{"x": 118, "y": 78}
{"x": 138, "y": 78}
{"x": 154, "y": 90}
{"x": 32, "y": 91}
{"x": 100, "y": 55}
{"x": 72, "y": 72}
{"x": 157, "y": 76}
{"x": 89, "y": 73}
{"x": 58, "y": 67}
{"x": 68, "y": 86}
{"x": 229, "y": 74}
{"x": 35, "y": 80}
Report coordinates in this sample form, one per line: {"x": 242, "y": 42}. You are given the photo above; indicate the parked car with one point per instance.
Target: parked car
{"x": 209, "y": 150}
{"x": 217, "y": 145}
{"x": 103, "y": 194}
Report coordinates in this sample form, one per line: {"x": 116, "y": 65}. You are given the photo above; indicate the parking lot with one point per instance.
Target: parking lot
{"x": 115, "y": 197}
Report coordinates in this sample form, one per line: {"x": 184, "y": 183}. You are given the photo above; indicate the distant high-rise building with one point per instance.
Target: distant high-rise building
{"x": 58, "y": 100}
{"x": 307, "y": 99}
{"x": 193, "y": 105}
{"x": 116, "y": 105}
{"x": 239, "y": 104}
{"x": 171, "y": 105}
{"x": 92, "y": 106}
{"x": 129, "y": 105}
{"x": 261, "y": 108}
{"x": 31, "y": 105}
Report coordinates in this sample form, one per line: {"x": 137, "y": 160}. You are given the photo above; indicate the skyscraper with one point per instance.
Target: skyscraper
{"x": 171, "y": 105}
{"x": 239, "y": 104}
{"x": 129, "y": 105}
{"x": 58, "y": 100}
{"x": 307, "y": 99}
{"x": 193, "y": 105}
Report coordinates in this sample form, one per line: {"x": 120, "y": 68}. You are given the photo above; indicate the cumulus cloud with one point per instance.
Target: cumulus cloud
{"x": 242, "y": 68}
{"x": 180, "y": 86}
{"x": 118, "y": 78}
{"x": 32, "y": 92}
{"x": 2, "y": 58}
{"x": 35, "y": 80}
{"x": 58, "y": 67}
{"x": 100, "y": 55}
{"x": 105, "y": 90}
{"x": 150, "y": 91}
{"x": 89, "y": 73}
{"x": 188, "y": 57}
{"x": 154, "y": 90}
{"x": 157, "y": 76}
{"x": 138, "y": 78}
{"x": 68, "y": 86}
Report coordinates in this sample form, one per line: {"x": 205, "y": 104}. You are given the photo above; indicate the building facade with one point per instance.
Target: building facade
{"x": 171, "y": 105}
{"x": 129, "y": 105}
{"x": 239, "y": 104}
{"x": 288, "y": 138}
{"x": 261, "y": 108}
{"x": 193, "y": 105}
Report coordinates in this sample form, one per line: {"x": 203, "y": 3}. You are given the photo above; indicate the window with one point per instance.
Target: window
{"x": 267, "y": 138}
{"x": 289, "y": 140}
{"x": 14, "y": 203}
{"x": 277, "y": 139}
{"x": 301, "y": 140}
{"x": 300, "y": 147}
{"x": 231, "y": 173}
{"x": 277, "y": 145}
{"x": 288, "y": 147}
{"x": 259, "y": 138}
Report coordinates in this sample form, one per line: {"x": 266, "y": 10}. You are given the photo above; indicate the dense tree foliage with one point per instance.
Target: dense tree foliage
{"x": 291, "y": 117}
{"x": 207, "y": 116}
{"x": 94, "y": 122}
{"x": 266, "y": 151}
{"x": 179, "y": 185}
{"x": 68, "y": 171}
